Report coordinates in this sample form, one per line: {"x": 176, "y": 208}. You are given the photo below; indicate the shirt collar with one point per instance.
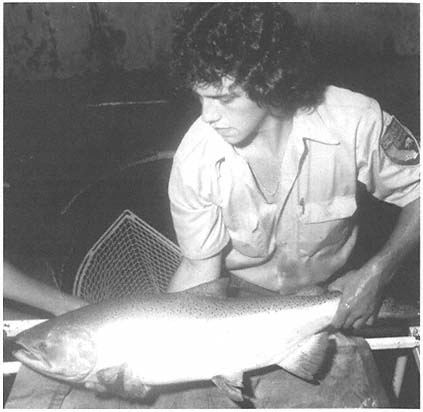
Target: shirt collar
{"x": 307, "y": 124}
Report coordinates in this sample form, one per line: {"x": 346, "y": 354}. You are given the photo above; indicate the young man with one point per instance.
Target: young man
{"x": 264, "y": 183}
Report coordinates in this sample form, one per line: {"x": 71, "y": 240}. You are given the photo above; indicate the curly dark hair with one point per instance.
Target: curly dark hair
{"x": 258, "y": 44}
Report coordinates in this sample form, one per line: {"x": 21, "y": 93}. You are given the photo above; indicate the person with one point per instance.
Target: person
{"x": 20, "y": 287}
{"x": 263, "y": 185}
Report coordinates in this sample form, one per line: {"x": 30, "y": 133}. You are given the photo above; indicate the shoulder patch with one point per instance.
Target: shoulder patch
{"x": 400, "y": 145}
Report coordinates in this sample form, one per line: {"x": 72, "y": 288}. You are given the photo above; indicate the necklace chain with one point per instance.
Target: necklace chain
{"x": 266, "y": 191}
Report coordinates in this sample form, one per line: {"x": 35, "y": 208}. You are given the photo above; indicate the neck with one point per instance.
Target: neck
{"x": 271, "y": 136}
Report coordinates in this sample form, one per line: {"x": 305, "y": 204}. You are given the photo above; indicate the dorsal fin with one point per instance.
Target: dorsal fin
{"x": 247, "y": 289}
{"x": 314, "y": 290}
{"x": 217, "y": 287}
{"x": 307, "y": 359}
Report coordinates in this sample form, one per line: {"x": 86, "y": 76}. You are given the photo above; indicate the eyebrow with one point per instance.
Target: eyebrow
{"x": 217, "y": 95}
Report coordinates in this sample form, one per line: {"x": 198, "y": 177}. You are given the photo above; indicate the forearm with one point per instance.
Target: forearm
{"x": 21, "y": 288}
{"x": 361, "y": 289}
{"x": 191, "y": 273}
{"x": 403, "y": 240}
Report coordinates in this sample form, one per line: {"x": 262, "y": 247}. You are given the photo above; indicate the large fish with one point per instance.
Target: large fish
{"x": 126, "y": 346}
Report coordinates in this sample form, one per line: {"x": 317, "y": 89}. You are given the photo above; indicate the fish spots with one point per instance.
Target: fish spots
{"x": 167, "y": 338}
{"x": 211, "y": 307}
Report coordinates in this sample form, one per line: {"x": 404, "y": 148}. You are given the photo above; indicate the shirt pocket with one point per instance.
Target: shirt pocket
{"x": 325, "y": 224}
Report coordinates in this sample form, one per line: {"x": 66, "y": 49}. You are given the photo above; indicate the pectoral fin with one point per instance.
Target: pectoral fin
{"x": 231, "y": 386}
{"x": 109, "y": 376}
{"x": 120, "y": 381}
{"x": 307, "y": 359}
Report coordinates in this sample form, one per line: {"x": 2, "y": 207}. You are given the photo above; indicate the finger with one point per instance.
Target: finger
{"x": 359, "y": 323}
{"x": 341, "y": 315}
{"x": 351, "y": 319}
{"x": 335, "y": 286}
{"x": 371, "y": 320}
{"x": 348, "y": 322}
{"x": 357, "y": 320}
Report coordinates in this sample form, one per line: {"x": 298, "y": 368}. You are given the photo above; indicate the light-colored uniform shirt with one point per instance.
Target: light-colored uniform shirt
{"x": 309, "y": 225}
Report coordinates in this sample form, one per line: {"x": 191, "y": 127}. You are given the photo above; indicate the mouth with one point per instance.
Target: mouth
{"x": 39, "y": 362}
{"x": 225, "y": 131}
{"x": 30, "y": 357}
{"x": 33, "y": 362}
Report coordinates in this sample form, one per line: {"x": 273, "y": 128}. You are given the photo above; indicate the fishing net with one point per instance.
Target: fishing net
{"x": 130, "y": 257}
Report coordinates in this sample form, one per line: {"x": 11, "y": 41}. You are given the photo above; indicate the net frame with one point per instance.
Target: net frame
{"x": 129, "y": 257}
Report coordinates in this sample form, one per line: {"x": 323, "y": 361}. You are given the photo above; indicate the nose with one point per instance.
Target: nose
{"x": 209, "y": 111}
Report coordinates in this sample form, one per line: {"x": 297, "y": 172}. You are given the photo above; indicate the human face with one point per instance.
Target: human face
{"x": 228, "y": 109}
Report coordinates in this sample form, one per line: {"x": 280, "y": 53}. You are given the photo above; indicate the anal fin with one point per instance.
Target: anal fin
{"x": 231, "y": 386}
{"x": 307, "y": 359}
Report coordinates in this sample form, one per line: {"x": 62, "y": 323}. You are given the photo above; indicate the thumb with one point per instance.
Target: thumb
{"x": 337, "y": 285}
{"x": 371, "y": 320}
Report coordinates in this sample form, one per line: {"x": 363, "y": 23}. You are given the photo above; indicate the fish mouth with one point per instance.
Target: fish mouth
{"x": 38, "y": 362}
{"x": 31, "y": 358}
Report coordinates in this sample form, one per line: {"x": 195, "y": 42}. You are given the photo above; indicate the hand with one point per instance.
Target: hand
{"x": 20, "y": 287}
{"x": 361, "y": 293}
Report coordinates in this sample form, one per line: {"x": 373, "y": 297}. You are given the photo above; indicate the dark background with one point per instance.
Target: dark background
{"x": 66, "y": 65}
{"x": 77, "y": 77}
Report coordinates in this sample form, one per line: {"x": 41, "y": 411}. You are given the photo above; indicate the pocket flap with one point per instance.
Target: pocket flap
{"x": 337, "y": 208}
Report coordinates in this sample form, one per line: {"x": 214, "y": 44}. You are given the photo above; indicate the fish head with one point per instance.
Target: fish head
{"x": 57, "y": 350}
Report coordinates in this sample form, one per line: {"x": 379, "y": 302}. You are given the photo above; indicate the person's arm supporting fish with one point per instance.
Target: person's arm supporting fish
{"x": 192, "y": 272}
{"x": 21, "y": 288}
{"x": 361, "y": 289}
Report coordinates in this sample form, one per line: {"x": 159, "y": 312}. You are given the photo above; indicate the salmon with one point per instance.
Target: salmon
{"x": 126, "y": 346}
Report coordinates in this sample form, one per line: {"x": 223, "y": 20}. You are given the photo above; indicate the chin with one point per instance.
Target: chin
{"x": 242, "y": 142}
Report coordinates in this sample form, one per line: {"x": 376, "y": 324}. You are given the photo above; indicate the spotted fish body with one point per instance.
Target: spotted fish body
{"x": 187, "y": 336}
{"x": 172, "y": 338}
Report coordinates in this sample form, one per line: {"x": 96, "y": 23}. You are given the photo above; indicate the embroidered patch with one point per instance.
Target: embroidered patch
{"x": 400, "y": 145}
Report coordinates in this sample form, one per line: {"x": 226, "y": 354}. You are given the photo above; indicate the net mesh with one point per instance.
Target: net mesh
{"x": 130, "y": 257}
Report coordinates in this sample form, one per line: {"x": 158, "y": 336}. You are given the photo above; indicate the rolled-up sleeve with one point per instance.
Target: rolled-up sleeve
{"x": 197, "y": 217}
{"x": 386, "y": 164}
